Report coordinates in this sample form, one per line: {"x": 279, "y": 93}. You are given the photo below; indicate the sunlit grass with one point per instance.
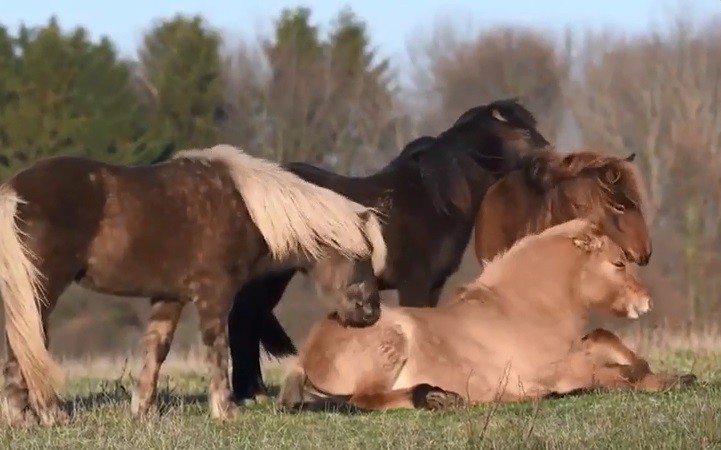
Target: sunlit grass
{"x": 99, "y": 390}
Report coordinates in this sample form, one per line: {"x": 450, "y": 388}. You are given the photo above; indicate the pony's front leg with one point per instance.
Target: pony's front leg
{"x": 16, "y": 402}
{"x": 164, "y": 317}
{"x": 213, "y": 310}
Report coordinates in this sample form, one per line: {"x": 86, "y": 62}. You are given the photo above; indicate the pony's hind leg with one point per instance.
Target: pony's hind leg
{"x": 164, "y": 317}
{"x": 16, "y": 402}
{"x": 213, "y": 309}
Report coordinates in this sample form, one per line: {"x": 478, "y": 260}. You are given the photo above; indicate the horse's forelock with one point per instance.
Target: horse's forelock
{"x": 612, "y": 175}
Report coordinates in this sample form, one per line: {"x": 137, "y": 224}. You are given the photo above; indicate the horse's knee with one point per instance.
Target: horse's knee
{"x": 292, "y": 392}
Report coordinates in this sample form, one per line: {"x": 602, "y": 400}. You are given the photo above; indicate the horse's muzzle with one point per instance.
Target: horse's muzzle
{"x": 362, "y": 315}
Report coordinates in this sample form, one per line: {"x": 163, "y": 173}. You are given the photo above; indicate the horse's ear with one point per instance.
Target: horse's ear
{"x": 630, "y": 157}
{"x": 498, "y": 116}
{"x": 589, "y": 242}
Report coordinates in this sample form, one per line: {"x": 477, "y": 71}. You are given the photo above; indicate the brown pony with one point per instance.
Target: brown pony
{"x": 515, "y": 333}
{"x": 192, "y": 229}
{"x": 549, "y": 188}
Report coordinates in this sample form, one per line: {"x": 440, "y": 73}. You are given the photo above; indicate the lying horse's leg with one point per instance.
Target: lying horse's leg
{"x": 164, "y": 317}
{"x": 422, "y": 396}
{"x": 213, "y": 304}
{"x": 604, "y": 347}
{"x": 603, "y": 361}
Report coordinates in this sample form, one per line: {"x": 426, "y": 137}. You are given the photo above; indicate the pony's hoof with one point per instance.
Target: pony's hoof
{"x": 54, "y": 416}
{"x": 686, "y": 380}
{"x": 140, "y": 409}
{"x": 434, "y": 398}
{"x": 20, "y": 418}
{"x": 223, "y": 410}
{"x": 262, "y": 399}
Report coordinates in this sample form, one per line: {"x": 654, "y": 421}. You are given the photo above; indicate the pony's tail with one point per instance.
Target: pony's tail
{"x": 22, "y": 296}
{"x": 374, "y": 234}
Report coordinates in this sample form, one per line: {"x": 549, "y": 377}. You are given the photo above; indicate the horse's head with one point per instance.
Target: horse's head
{"x": 504, "y": 130}
{"x": 606, "y": 280}
{"x": 351, "y": 287}
{"x": 351, "y": 282}
{"x": 604, "y": 189}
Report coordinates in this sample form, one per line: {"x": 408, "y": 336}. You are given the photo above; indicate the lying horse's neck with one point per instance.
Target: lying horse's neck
{"x": 537, "y": 288}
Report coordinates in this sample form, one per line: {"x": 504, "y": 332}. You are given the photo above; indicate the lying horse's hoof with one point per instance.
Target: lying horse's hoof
{"x": 685, "y": 380}
{"x": 434, "y": 398}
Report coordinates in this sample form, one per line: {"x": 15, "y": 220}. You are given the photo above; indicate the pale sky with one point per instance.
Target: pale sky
{"x": 391, "y": 23}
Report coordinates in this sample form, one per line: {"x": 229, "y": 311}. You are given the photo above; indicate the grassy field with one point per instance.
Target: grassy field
{"x": 688, "y": 419}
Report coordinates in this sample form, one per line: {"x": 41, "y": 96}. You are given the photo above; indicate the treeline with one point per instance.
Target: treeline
{"x": 322, "y": 93}
{"x": 294, "y": 96}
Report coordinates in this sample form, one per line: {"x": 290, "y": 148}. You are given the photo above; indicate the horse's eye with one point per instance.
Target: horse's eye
{"x": 620, "y": 264}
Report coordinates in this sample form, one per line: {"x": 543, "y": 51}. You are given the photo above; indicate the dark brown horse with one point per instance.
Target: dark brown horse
{"x": 192, "y": 229}
{"x": 429, "y": 195}
{"x": 550, "y": 188}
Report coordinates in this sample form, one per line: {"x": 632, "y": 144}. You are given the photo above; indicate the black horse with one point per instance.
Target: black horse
{"x": 430, "y": 194}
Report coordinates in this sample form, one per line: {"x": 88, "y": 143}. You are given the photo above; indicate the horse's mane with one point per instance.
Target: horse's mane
{"x": 598, "y": 183}
{"x": 291, "y": 214}
{"x": 504, "y": 261}
{"x": 441, "y": 159}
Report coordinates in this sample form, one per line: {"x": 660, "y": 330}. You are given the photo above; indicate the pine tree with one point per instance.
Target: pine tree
{"x": 180, "y": 70}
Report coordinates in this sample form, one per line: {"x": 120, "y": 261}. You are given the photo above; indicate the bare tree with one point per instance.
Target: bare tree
{"x": 659, "y": 96}
{"x": 328, "y": 102}
{"x": 458, "y": 72}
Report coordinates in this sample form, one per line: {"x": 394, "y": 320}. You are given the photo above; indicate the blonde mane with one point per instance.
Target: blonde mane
{"x": 293, "y": 215}
{"x": 505, "y": 260}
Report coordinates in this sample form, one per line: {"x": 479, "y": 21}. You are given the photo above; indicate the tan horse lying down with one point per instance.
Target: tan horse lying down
{"x": 513, "y": 334}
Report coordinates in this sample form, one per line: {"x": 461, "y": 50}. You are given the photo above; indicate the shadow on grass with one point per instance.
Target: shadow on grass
{"x": 165, "y": 401}
{"x": 325, "y": 406}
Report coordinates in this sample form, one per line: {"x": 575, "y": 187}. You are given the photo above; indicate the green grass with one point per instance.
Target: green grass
{"x": 683, "y": 419}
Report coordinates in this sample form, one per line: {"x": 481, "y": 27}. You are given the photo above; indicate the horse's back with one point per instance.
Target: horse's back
{"x": 363, "y": 190}
{"x": 111, "y": 219}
